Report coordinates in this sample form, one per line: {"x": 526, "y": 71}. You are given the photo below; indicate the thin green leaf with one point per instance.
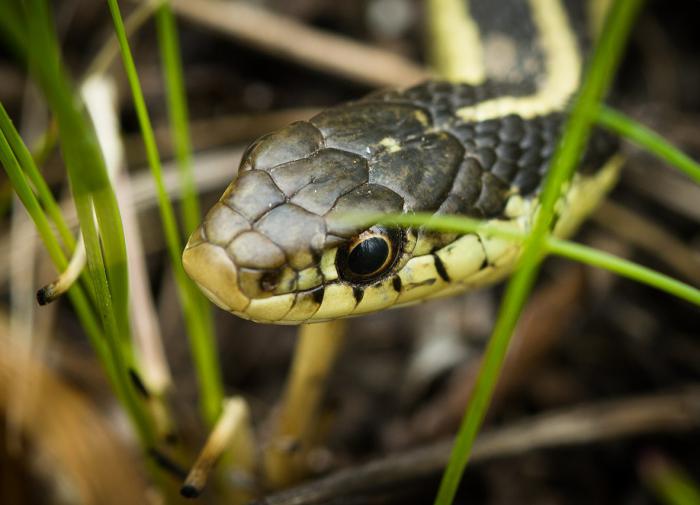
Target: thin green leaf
{"x": 11, "y": 27}
{"x": 95, "y": 203}
{"x": 575, "y": 136}
{"x": 199, "y": 326}
{"x": 651, "y": 141}
{"x": 77, "y": 295}
{"x": 624, "y": 268}
{"x": 671, "y": 484}
{"x": 177, "y": 109}
{"x": 564, "y": 248}
{"x": 42, "y": 189}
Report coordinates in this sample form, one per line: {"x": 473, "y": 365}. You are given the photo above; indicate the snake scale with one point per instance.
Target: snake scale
{"x": 278, "y": 248}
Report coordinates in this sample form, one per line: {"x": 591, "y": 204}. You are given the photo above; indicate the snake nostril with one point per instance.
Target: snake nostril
{"x": 270, "y": 280}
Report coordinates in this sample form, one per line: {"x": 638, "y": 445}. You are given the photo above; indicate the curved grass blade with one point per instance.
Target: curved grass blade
{"x": 649, "y": 140}
{"x": 563, "y": 248}
{"x": 43, "y": 192}
{"x": 177, "y": 109}
{"x": 95, "y": 202}
{"x": 77, "y": 294}
{"x": 198, "y": 321}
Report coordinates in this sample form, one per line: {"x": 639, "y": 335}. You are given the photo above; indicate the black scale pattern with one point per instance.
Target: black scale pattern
{"x": 516, "y": 151}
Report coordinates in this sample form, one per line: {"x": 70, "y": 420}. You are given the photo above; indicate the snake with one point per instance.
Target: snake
{"x": 277, "y": 247}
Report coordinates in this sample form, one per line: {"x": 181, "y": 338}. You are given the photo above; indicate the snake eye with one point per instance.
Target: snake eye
{"x": 369, "y": 255}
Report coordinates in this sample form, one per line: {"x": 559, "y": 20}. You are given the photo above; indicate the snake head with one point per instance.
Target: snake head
{"x": 273, "y": 247}
{"x": 278, "y": 245}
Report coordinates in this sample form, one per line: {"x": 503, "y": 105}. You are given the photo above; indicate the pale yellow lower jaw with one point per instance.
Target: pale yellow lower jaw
{"x": 211, "y": 268}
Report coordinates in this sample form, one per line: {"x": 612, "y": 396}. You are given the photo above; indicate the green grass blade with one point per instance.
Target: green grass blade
{"x": 43, "y": 192}
{"x": 191, "y": 213}
{"x": 671, "y": 484}
{"x": 95, "y": 203}
{"x": 12, "y": 27}
{"x": 651, "y": 141}
{"x": 446, "y": 223}
{"x": 26, "y": 195}
{"x": 200, "y": 328}
{"x": 177, "y": 108}
{"x": 623, "y": 268}
{"x": 575, "y": 136}
{"x": 78, "y": 297}
{"x": 86, "y": 170}
{"x": 563, "y": 248}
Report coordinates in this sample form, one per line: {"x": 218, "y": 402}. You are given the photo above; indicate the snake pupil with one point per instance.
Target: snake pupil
{"x": 368, "y": 256}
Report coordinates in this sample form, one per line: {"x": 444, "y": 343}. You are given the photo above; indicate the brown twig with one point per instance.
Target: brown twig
{"x": 585, "y": 424}
{"x": 232, "y": 429}
{"x": 287, "y": 38}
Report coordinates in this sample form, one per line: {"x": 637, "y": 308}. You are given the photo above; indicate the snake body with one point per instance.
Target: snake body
{"x": 278, "y": 248}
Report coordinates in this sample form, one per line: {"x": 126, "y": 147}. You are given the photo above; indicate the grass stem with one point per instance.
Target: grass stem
{"x": 649, "y": 140}
{"x": 596, "y": 81}
{"x": 177, "y": 109}
{"x": 199, "y": 325}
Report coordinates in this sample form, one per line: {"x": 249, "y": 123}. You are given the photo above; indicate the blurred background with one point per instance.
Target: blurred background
{"x": 616, "y": 350}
